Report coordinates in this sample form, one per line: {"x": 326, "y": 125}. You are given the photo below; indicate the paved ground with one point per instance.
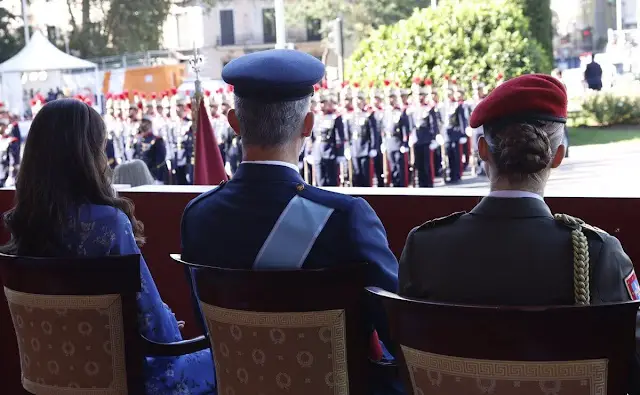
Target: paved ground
{"x": 608, "y": 170}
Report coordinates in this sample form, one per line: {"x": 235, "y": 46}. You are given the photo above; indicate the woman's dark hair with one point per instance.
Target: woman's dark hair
{"x": 64, "y": 166}
{"x": 522, "y": 149}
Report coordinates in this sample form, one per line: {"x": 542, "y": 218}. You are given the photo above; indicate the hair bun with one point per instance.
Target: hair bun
{"x": 525, "y": 150}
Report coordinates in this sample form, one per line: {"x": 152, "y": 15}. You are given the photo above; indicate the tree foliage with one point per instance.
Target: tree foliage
{"x": 360, "y": 16}
{"x": 11, "y": 41}
{"x": 483, "y": 38}
{"x": 540, "y": 18}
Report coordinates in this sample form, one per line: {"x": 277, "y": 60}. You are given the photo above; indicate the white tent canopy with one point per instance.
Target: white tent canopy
{"x": 41, "y": 55}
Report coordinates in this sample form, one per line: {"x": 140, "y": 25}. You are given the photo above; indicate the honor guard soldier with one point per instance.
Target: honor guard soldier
{"x": 517, "y": 252}
{"x": 455, "y": 137}
{"x": 328, "y": 140}
{"x": 426, "y": 149}
{"x": 221, "y": 126}
{"x": 184, "y": 149}
{"x": 377, "y": 110}
{"x": 396, "y": 140}
{"x": 362, "y": 132}
{"x": 152, "y": 150}
{"x": 285, "y": 223}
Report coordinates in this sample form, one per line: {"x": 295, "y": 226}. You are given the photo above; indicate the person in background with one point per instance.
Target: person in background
{"x": 134, "y": 173}
{"x": 66, "y": 207}
{"x": 518, "y": 253}
{"x": 593, "y": 74}
{"x": 268, "y": 202}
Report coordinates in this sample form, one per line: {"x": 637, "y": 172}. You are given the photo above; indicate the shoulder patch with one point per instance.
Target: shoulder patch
{"x": 633, "y": 288}
{"x": 449, "y": 219}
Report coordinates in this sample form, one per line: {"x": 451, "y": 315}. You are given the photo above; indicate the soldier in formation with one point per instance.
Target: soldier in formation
{"x": 384, "y": 135}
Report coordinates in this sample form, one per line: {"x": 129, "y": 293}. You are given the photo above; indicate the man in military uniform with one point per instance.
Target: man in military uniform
{"x": 266, "y": 217}
{"x": 428, "y": 121}
{"x": 328, "y": 140}
{"x": 456, "y": 137}
{"x": 185, "y": 146}
{"x": 152, "y": 150}
{"x": 396, "y": 138}
{"x": 516, "y": 252}
{"x": 362, "y": 130}
{"x": 378, "y": 111}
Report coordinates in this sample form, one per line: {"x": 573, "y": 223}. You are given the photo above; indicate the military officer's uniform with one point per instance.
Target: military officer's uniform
{"x": 456, "y": 136}
{"x": 328, "y": 139}
{"x": 396, "y": 137}
{"x": 428, "y": 122}
{"x": 285, "y": 223}
{"x": 362, "y": 130}
{"x": 184, "y": 153}
{"x": 516, "y": 252}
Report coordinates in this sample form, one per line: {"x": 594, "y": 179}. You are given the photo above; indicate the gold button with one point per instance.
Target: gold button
{"x": 300, "y": 187}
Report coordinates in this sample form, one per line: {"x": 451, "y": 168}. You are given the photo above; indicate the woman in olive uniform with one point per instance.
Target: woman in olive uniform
{"x": 516, "y": 252}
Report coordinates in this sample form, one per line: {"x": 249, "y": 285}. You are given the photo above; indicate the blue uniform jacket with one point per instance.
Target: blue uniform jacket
{"x": 267, "y": 217}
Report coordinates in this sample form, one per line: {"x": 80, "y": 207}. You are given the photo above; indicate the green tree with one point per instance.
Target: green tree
{"x": 11, "y": 40}
{"x": 483, "y": 38}
{"x": 136, "y": 25}
{"x": 540, "y": 18}
{"x": 359, "y": 17}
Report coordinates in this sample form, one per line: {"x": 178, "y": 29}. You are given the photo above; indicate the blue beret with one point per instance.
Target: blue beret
{"x": 276, "y": 75}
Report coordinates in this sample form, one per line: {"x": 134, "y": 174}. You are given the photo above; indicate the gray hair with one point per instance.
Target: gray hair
{"x": 271, "y": 124}
{"x": 134, "y": 173}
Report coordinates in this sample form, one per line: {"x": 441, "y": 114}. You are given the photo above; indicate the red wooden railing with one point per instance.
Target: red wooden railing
{"x": 160, "y": 208}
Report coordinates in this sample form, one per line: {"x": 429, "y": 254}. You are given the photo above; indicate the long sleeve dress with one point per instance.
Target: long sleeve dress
{"x": 104, "y": 230}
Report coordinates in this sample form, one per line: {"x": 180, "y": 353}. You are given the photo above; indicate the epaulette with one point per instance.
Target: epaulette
{"x": 573, "y": 222}
{"x": 205, "y": 195}
{"x": 449, "y": 219}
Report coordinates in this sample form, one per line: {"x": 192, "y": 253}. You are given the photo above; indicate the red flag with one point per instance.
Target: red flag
{"x": 208, "y": 168}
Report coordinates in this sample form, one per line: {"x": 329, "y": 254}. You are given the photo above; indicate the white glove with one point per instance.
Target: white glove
{"x": 227, "y": 167}
{"x": 440, "y": 139}
{"x": 373, "y": 153}
{"x": 383, "y": 147}
{"x": 347, "y": 153}
{"x": 309, "y": 159}
{"x": 469, "y": 131}
{"x": 463, "y": 140}
{"x": 434, "y": 145}
{"x": 342, "y": 159}
{"x": 403, "y": 149}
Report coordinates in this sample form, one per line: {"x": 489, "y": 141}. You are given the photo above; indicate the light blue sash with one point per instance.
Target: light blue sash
{"x": 293, "y": 235}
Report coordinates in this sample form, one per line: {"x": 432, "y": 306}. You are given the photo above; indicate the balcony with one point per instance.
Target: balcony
{"x": 257, "y": 41}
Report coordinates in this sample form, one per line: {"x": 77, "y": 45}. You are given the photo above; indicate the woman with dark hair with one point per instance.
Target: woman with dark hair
{"x": 510, "y": 249}
{"x": 66, "y": 206}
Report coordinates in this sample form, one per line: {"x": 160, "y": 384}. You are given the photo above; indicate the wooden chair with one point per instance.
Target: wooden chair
{"x": 76, "y": 322}
{"x": 448, "y": 349}
{"x": 295, "y": 332}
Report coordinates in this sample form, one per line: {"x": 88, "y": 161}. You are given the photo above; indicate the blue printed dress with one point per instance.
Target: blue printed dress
{"x": 105, "y": 230}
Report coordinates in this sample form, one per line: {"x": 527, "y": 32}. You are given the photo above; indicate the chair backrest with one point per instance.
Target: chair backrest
{"x": 72, "y": 319}
{"x": 299, "y": 332}
{"x": 447, "y": 349}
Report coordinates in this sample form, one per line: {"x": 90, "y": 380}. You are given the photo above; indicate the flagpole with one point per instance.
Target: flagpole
{"x": 196, "y": 63}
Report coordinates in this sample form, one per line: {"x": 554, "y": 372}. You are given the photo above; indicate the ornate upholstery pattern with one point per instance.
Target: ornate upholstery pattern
{"x": 69, "y": 344}
{"x": 433, "y": 374}
{"x": 272, "y": 353}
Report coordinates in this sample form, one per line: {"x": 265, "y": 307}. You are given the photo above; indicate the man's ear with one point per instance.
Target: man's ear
{"x": 307, "y": 126}
{"x": 557, "y": 159}
{"x": 483, "y": 149}
{"x": 233, "y": 121}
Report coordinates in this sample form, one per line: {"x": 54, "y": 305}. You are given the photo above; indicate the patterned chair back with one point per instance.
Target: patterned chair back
{"x": 72, "y": 319}
{"x": 475, "y": 350}
{"x": 296, "y": 332}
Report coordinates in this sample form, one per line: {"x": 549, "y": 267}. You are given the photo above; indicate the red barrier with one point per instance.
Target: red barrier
{"x": 399, "y": 209}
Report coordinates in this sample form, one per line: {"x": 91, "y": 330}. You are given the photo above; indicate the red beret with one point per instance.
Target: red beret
{"x": 528, "y": 97}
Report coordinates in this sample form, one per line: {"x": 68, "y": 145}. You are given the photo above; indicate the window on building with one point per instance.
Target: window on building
{"x": 314, "y": 29}
{"x": 52, "y": 34}
{"x": 227, "y": 33}
{"x": 269, "y": 25}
